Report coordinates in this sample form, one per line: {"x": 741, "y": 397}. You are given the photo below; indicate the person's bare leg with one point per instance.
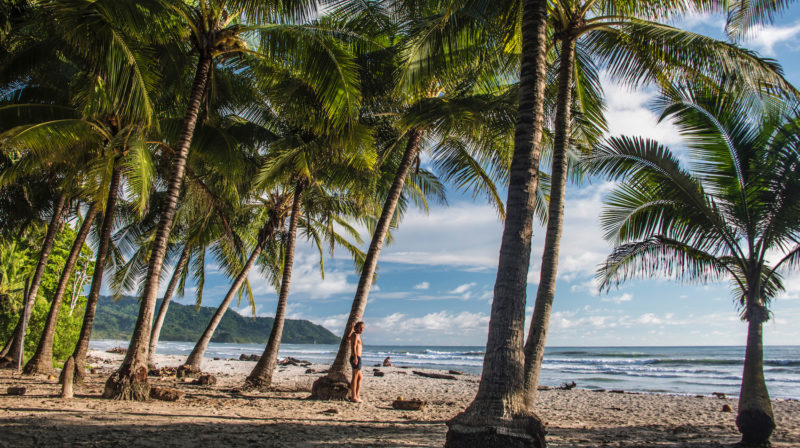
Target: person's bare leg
{"x": 353, "y": 385}
{"x": 358, "y": 377}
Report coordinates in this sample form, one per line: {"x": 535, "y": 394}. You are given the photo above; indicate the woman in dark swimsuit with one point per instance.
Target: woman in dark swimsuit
{"x": 356, "y": 347}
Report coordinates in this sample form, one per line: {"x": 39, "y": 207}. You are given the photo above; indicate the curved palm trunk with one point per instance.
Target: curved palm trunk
{"x": 79, "y": 355}
{"x": 42, "y": 361}
{"x": 545, "y": 294}
{"x": 195, "y": 358}
{"x": 130, "y": 381}
{"x": 335, "y": 384}
{"x": 755, "y": 419}
{"x": 498, "y": 417}
{"x": 162, "y": 312}
{"x": 14, "y": 348}
{"x": 261, "y": 376}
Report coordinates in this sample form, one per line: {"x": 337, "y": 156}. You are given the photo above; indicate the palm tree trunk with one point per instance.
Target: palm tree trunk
{"x": 545, "y": 294}
{"x": 130, "y": 381}
{"x": 498, "y": 417}
{"x": 335, "y": 385}
{"x": 162, "y": 312}
{"x": 261, "y": 376}
{"x": 195, "y": 358}
{"x": 42, "y": 361}
{"x": 14, "y": 349}
{"x": 79, "y": 355}
{"x": 755, "y": 419}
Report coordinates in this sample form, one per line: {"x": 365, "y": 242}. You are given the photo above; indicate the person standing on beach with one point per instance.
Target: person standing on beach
{"x": 356, "y": 347}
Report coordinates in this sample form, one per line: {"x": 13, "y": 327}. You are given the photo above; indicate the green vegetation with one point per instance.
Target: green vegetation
{"x": 116, "y": 319}
{"x": 18, "y": 258}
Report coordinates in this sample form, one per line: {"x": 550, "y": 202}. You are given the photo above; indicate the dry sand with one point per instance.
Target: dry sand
{"x": 218, "y": 416}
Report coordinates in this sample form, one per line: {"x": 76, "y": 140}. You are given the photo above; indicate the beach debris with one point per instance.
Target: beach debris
{"x": 67, "y": 377}
{"x": 94, "y": 371}
{"x": 455, "y": 372}
{"x": 216, "y": 359}
{"x": 331, "y": 411}
{"x": 699, "y": 396}
{"x": 409, "y": 405}
{"x": 378, "y": 373}
{"x": 16, "y": 391}
{"x": 544, "y": 387}
{"x": 568, "y": 386}
{"x": 616, "y": 391}
{"x": 164, "y": 371}
{"x": 165, "y": 394}
{"x": 727, "y": 408}
{"x": 51, "y": 377}
{"x": 598, "y": 390}
{"x": 206, "y": 380}
{"x": 289, "y": 361}
{"x": 185, "y": 371}
{"x": 434, "y": 375}
{"x": 117, "y": 350}
{"x": 253, "y": 357}
{"x": 376, "y": 365}
{"x": 387, "y": 362}
{"x": 310, "y": 370}
{"x": 719, "y": 395}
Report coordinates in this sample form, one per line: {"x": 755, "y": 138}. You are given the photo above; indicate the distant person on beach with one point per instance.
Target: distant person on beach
{"x": 387, "y": 362}
{"x": 356, "y": 347}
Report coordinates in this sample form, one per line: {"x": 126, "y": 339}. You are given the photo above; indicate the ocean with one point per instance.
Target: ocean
{"x": 670, "y": 370}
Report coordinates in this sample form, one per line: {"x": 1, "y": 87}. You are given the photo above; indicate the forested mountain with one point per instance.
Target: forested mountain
{"x": 116, "y": 319}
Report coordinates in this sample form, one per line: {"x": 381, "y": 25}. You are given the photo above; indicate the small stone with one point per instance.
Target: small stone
{"x": 165, "y": 394}
{"x": 310, "y": 370}
{"x": 207, "y": 380}
{"x": 16, "y": 391}
{"x": 216, "y": 359}
{"x": 378, "y": 373}
{"x": 727, "y": 408}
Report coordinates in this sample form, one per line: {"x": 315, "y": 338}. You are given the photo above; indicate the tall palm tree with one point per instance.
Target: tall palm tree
{"x": 633, "y": 48}
{"x": 455, "y": 113}
{"x": 219, "y": 29}
{"x": 722, "y": 216}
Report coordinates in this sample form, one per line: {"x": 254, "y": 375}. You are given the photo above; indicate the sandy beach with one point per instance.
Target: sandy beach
{"x": 220, "y": 415}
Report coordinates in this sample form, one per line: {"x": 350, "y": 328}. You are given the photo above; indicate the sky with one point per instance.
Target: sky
{"x": 434, "y": 284}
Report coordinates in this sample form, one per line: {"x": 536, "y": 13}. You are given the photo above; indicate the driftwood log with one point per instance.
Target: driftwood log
{"x": 408, "y": 405}
{"x": 434, "y": 375}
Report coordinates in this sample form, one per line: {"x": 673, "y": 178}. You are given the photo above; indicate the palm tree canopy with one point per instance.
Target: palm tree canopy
{"x": 732, "y": 211}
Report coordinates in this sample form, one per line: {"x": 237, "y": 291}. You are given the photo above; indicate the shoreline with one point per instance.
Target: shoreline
{"x": 221, "y": 415}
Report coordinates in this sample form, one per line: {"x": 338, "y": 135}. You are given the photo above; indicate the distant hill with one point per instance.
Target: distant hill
{"x": 115, "y": 320}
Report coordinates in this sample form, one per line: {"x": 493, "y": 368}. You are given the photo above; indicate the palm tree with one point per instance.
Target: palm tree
{"x": 219, "y": 29}
{"x": 634, "y": 49}
{"x": 720, "y": 217}
{"x": 454, "y": 113}
{"x": 42, "y": 360}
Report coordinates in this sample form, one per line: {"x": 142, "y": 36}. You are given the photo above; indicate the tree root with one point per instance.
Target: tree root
{"x": 326, "y": 388}
{"x": 128, "y": 383}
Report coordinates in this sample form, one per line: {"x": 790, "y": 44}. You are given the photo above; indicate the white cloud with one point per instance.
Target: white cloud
{"x": 628, "y": 114}
{"x": 444, "y": 326}
{"x": 461, "y": 289}
{"x": 307, "y": 282}
{"x": 423, "y": 285}
{"x": 764, "y": 38}
{"x": 619, "y": 299}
